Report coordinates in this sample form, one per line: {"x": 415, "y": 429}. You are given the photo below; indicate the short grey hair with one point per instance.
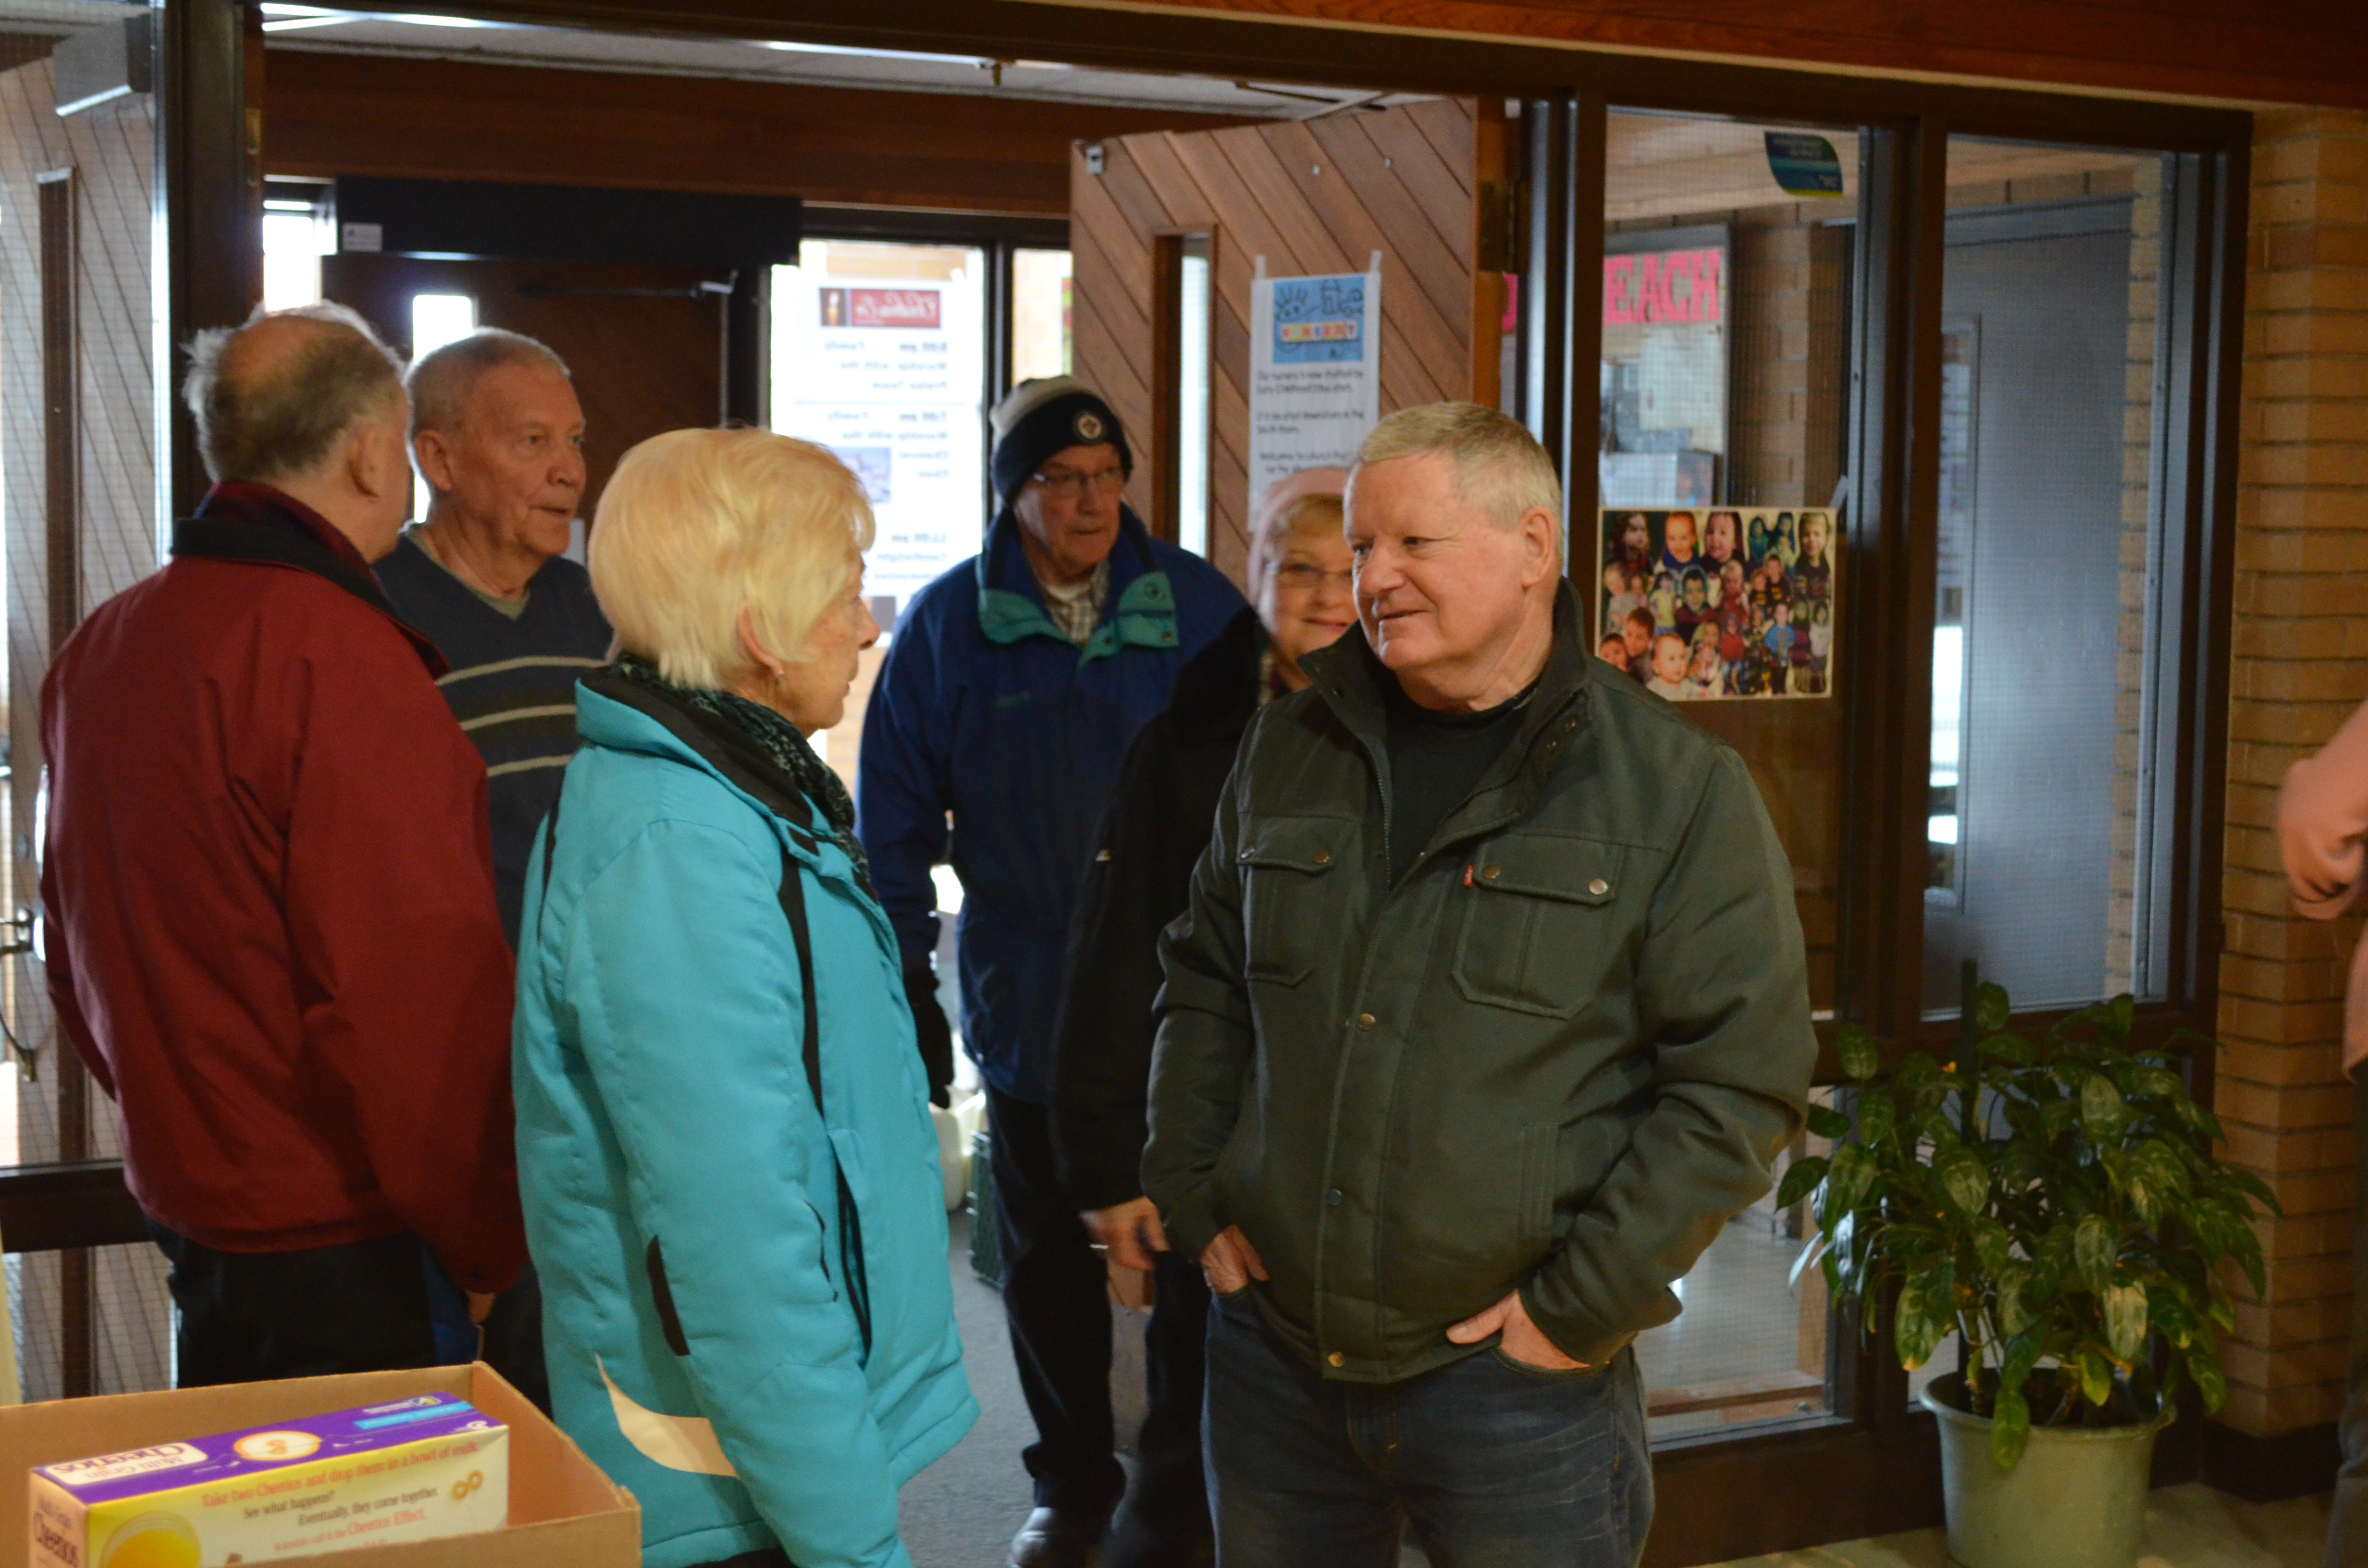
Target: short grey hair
{"x": 442, "y": 379}
{"x": 285, "y": 418}
{"x": 1499, "y": 467}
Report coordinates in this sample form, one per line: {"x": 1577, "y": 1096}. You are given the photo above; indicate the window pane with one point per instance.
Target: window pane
{"x": 880, "y": 353}
{"x": 1040, "y": 313}
{"x": 436, "y": 320}
{"x": 1192, "y": 395}
{"x": 2046, "y": 851}
{"x": 1718, "y": 563}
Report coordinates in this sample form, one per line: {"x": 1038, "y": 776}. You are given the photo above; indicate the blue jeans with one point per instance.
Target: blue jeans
{"x": 1494, "y": 1464}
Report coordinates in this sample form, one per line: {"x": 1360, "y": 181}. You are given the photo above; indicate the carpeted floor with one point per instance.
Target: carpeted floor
{"x": 963, "y": 1510}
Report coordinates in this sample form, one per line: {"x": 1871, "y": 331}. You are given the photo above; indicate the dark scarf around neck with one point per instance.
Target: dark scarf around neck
{"x": 763, "y": 739}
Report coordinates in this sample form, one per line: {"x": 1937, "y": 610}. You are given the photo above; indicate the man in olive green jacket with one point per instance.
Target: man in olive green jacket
{"x": 1490, "y": 1011}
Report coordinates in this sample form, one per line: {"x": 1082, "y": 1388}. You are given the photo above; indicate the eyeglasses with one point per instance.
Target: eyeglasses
{"x": 1307, "y": 578}
{"x": 1070, "y": 486}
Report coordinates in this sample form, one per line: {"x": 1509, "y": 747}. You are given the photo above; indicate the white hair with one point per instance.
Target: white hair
{"x": 696, "y": 525}
{"x": 1499, "y": 467}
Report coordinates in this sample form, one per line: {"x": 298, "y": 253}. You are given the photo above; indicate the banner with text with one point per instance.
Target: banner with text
{"x": 1315, "y": 373}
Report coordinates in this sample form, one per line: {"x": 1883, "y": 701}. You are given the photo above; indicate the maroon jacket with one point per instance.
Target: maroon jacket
{"x": 269, "y": 921}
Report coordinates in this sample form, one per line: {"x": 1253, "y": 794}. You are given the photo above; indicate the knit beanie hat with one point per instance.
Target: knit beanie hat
{"x": 1046, "y": 415}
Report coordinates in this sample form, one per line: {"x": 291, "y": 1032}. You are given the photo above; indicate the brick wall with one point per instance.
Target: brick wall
{"x": 2300, "y": 664}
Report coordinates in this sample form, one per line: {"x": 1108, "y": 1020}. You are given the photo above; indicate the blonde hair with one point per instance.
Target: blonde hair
{"x": 696, "y": 524}
{"x": 1308, "y": 514}
{"x": 1499, "y": 467}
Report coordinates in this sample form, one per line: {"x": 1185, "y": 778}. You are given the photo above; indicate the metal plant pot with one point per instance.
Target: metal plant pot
{"x": 2077, "y": 1500}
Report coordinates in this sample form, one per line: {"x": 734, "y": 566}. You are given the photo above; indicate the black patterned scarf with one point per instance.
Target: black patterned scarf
{"x": 774, "y": 738}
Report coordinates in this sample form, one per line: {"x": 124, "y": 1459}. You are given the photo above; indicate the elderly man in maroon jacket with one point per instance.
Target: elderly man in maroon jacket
{"x": 268, "y": 888}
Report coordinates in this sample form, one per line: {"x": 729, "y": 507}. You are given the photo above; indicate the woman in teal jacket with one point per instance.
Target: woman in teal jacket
{"x": 730, "y": 1178}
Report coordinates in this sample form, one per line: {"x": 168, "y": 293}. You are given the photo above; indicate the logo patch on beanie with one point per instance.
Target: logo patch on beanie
{"x": 1088, "y": 425}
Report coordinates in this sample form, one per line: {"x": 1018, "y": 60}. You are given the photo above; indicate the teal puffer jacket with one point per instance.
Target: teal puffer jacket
{"x": 705, "y": 1347}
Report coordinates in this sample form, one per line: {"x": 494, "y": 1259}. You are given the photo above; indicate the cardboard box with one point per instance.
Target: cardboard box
{"x": 564, "y": 1513}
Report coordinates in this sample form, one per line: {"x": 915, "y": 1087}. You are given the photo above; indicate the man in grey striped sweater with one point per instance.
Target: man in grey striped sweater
{"x": 498, "y": 436}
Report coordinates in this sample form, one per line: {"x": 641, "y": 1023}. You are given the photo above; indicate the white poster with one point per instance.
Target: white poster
{"x": 1315, "y": 380}
{"x": 887, "y": 372}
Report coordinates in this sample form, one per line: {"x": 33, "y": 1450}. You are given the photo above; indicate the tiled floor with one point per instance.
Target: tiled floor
{"x": 2187, "y": 1527}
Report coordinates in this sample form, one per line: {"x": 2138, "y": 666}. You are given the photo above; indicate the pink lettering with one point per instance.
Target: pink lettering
{"x": 1616, "y": 271}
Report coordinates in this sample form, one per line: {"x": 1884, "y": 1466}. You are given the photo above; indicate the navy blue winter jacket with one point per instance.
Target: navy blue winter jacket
{"x": 983, "y": 709}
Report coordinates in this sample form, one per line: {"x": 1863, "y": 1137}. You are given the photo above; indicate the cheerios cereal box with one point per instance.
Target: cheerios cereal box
{"x": 427, "y": 1465}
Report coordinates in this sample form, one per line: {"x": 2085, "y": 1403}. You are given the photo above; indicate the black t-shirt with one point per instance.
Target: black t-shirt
{"x": 1435, "y": 759}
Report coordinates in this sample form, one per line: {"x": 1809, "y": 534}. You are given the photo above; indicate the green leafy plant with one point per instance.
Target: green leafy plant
{"x": 2053, "y": 1201}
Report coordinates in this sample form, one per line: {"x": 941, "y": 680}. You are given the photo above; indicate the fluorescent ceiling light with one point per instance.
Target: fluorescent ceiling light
{"x": 298, "y": 23}
{"x": 868, "y": 54}
{"x": 423, "y": 19}
{"x": 271, "y": 9}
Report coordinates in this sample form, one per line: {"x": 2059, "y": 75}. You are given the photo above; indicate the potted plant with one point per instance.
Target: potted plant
{"x": 2056, "y": 1205}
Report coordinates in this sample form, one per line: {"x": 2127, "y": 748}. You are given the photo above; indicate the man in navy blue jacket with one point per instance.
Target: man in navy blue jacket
{"x": 1008, "y": 696}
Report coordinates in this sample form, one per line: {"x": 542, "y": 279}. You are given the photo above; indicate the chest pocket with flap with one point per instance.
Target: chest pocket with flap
{"x": 1286, "y": 864}
{"x": 1540, "y": 921}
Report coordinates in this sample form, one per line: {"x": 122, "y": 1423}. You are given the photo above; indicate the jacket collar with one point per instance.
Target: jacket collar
{"x": 615, "y": 712}
{"x": 260, "y": 525}
{"x": 1141, "y": 608}
{"x": 1345, "y": 677}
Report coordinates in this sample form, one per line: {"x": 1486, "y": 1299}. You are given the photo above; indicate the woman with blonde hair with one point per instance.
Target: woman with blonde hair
{"x": 729, "y": 1174}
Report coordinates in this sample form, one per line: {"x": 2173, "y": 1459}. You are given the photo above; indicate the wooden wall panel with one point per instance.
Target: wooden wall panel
{"x": 1310, "y": 197}
{"x": 111, "y": 151}
{"x": 326, "y": 115}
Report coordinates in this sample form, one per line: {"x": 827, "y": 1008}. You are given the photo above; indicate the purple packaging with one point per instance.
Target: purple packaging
{"x": 427, "y": 1465}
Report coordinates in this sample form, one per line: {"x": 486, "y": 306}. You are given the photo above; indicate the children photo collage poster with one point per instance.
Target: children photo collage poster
{"x": 1710, "y": 603}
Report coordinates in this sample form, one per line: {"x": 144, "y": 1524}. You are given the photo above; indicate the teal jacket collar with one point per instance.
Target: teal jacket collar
{"x": 1141, "y": 608}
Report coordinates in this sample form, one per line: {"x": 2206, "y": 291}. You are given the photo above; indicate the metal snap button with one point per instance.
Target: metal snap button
{"x": 1333, "y": 1197}
{"x": 1492, "y": 873}
{"x": 1599, "y": 887}
{"x": 1324, "y": 857}
{"x": 1364, "y": 1021}
{"x": 1337, "y": 1359}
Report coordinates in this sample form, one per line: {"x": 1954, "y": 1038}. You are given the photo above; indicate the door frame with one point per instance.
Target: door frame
{"x": 1874, "y": 1470}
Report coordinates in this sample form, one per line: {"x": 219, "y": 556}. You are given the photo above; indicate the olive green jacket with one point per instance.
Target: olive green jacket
{"x": 1558, "y": 1056}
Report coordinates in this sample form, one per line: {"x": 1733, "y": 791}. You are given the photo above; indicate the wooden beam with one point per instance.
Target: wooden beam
{"x": 2199, "y": 50}
{"x": 344, "y": 114}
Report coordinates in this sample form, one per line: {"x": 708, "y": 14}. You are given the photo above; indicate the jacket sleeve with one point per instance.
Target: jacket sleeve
{"x": 689, "y": 992}
{"x": 1101, "y": 1077}
{"x": 403, "y": 973}
{"x": 1722, "y": 1002}
{"x": 1205, "y": 1040}
{"x": 901, "y": 796}
{"x": 2323, "y": 822}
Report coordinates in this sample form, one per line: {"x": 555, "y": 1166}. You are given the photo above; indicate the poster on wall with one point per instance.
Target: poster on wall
{"x": 1715, "y": 603}
{"x": 1315, "y": 373}
{"x": 1664, "y": 372}
{"x": 887, "y": 372}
